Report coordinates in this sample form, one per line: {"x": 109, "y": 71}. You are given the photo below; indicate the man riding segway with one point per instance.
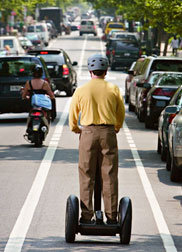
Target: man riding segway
{"x": 102, "y": 114}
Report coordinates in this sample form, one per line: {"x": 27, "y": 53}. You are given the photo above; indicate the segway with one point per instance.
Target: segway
{"x": 99, "y": 227}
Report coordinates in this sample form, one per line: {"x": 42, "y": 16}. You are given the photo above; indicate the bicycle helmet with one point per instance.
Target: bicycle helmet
{"x": 37, "y": 70}
{"x": 98, "y": 62}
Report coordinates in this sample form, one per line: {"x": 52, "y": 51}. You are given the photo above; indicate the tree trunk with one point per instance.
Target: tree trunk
{"x": 166, "y": 44}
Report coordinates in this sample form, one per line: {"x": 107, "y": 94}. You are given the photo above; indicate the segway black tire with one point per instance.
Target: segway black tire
{"x": 125, "y": 220}
{"x": 71, "y": 221}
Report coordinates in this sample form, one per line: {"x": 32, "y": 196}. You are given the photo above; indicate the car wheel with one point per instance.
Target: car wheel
{"x": 175, "y": 171}
{"x": 148, "y": 123}
{"x": 168, "y": 161}
{"x": 141, "y": 116}
{"x": 126, "y": 98}
{"x": 131, "y": 108}
{"x": 159, "y": 146}
{"x": 70, "y": 91}
{"x": 81, "y": 33}
{"x": 163, "y": 153}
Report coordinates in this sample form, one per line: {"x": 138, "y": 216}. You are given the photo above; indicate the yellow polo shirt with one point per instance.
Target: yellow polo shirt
{"x": 99, "y": 102}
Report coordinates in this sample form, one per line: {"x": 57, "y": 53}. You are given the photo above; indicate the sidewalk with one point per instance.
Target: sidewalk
{"x": 169, "y": 51}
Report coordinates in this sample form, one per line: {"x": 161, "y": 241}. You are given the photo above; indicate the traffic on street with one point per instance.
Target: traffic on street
{"x": 37, "y": 179}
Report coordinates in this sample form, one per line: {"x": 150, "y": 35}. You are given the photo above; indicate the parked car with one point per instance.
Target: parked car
{"x": 14, "y": 72}
{"x": 88, "y": 26}
{"x": 41, "y": 29}
{"x": 160, "y": 95}
{"x": 60, "y": 68}
{"x": 164, "y": 121}
{"x": 35, "y": 39}
{"x": 150, "y": 64}
{"x": 141, "y": 108}
{"x": 174, "y": 157}
{"x": 124, "y": 52}
{"x": 13, "y": 43}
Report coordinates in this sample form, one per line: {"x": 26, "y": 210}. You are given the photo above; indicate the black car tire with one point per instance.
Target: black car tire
{"x": 163, "y": 153}
{"x": 141, "y": 116}
{"x": 131, "y": 108}
{"x": 175, "y": 170}
{"x": 70, "y": 91}
{"x": 168, "y": 161}
{"x": 159, "y": 145}
{"x": 148, "y": 123}
{"x": 81, "y": 33}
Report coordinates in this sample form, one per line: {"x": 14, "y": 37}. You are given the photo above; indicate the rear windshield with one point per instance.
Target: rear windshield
{"x": 17, "y": 67}
{"x": 8, "y": 42}
{"x": 124, "y": 43}
{"x": 126, "y": 37}
{"x": 118, "y": 26}
{"x": 30, "y": 28}
{"x": 59, "y": 59}
{"x": 40, "y": 28}
{"x": 87, "y": 23}
{"x": 170, "y": 80}
{"x": 167, "y": 65}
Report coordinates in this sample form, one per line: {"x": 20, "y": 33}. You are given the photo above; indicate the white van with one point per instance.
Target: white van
{"x": 41, "y": 29}
{"x": 13, "y": 43}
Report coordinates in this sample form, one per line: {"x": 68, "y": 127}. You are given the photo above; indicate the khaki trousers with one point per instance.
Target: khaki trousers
{"x": 98, "y": 142}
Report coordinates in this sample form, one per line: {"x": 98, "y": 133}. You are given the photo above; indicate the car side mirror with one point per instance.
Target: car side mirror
{"x": 75, "y": 63}
{"x": 171, "y": 109}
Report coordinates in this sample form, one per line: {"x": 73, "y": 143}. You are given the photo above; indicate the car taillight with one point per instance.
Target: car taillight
{"x": 65, "y": 70}
{"x": 36, "y": 113}
{"x": 171, "y": 118}
{"x": 94, "y": 26}
{"x": 78, "y": 27}
{"x": 163, "y": 92}
{"x": 113, "y": 52}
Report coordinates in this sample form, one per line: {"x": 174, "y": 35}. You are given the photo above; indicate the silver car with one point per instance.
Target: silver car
{"x": 174, "y": 157}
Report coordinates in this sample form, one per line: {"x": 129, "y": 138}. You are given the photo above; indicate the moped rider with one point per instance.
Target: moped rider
{"x": 102, "y": 114}
{"x": 37, "y": 85}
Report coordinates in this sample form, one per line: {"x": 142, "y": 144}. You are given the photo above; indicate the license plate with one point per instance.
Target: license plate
{"x": 126, "y": 54}
{"x": 161, "y": 103}
{"x": 15, "y": 88}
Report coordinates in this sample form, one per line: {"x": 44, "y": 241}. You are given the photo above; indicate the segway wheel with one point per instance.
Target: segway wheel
{"x": 125, "y": 220}
{"x": 71, "y": 221}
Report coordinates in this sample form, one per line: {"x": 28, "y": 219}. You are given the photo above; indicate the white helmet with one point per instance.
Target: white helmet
{"x": 98, "y": 62}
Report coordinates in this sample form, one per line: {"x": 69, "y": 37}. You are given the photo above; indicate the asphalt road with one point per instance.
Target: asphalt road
{"x": 35, "y": 182}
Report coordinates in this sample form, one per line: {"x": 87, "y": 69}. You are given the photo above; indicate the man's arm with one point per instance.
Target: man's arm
{"x": 120, "y": 112}
{"x": 74, "y": 113}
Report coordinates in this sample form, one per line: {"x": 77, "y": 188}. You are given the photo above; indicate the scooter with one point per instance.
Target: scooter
{"x": 99, "y": 227}
{"x": 37, "y": 126}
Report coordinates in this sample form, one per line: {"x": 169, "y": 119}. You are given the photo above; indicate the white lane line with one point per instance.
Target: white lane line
{"x": 82, "y": 57}
{"x": 156, "y": 210}
{"x": 20, "y": 229}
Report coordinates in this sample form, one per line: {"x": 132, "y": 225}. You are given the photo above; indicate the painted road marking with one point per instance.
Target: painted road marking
{"x": 20, "y": 229}
{"x": 158, "y": 215}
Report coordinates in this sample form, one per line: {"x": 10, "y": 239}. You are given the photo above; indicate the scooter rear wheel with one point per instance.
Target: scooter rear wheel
{"x": 71, "y": 221}
{"x": 37, "y": 139}
{"x": 125, "y": 220}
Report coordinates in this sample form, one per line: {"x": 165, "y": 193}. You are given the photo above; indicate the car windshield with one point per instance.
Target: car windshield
{"x": 16, "y": 67}
{"x": 167, "y": 65}
{"x": 118, "y": 26}
{"x": 53, "y": 58}
{"x": 87, "y": 23}
{"x": 170, "y": 80}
